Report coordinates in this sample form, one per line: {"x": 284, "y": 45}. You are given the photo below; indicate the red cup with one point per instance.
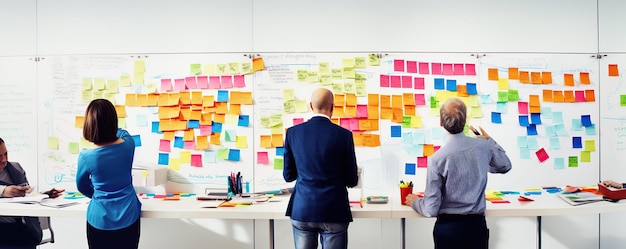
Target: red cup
{"x": 404, "y": 192}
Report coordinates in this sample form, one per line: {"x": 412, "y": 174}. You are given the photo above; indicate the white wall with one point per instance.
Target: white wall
{"x": 72, "y": 27}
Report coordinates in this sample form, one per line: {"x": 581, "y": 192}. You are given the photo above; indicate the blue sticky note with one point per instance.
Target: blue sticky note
{"x": 501, "y": 107}
{"x": 485, "y": 98}
{"x": 280, "y": 151}
{"x": 531, "y": 130}
{"x": 496, "y": 118}
{"x": 178, "y": 142}
{"x": 524, "y": 153}
{"x": 535, "y": 118}
{"x": 164, "y": 158}
{"x": 471, "y": 88}
{"x": 244, "y": 120}
{"x": 407, "y": 138}
{"x": 409, "y": 169}
{"x": 590, "y": 130}
{"x": 155, "y": 126}
{"x": 451, "y": 85}
{"x": 233, "y": 155}
{"x": 577, "y": 125}
{"x": 210, "y": 156}
{"x": 439, "y": 83}
{"x": 555, "y": 143}
{"x": 522, "y": 142}
{"x": 560, "y": 130}
{"x": 577, "y": 142}
{"x": 396, "y": 131}
{"x": 193, "y": 124}
{"x": 532, "y": 143}
{"x": 546, "y": 112}
{"x": 436, "y": 132}
{"x": 550, "y": 131}
{"x": 222, "y": 96}
{"x": 137, "y": 139}
{"x": 216, "y": 127}
{"x": 418, "y": 137}
{"x": 523, "y": 120}
{"x": 557, "y": 118}
{"x": 559, "y": 163}
{"x": 142, "y": 120}
{"x": 586, "y": 120}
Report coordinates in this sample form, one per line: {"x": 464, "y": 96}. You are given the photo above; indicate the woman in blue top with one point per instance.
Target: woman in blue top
{"x": 104, "y": 175}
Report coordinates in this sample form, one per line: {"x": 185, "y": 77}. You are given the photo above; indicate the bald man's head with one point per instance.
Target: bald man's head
{"x": 322, "y": 101}
{"x": 453, "y": 114}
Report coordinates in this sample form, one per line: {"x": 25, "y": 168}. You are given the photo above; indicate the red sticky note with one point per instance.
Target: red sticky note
{"x": 436, "y": 68}
{"x": 418, "y": 83}
{"x": 297, "y": 121}
{"x": 164, "y": 145}
{"x": 398, "y": 65}
{"x": 196, "y": 160}
{"x": 424, "y": 68}
{"x": 396, "y": 81}
{"x": 384, "y": 80}
{"x": 458, "y": 69}
{"x": 524, "y": 198}
{"x": 447, "y": 69}
{"x": 470, "y": 69}
{"x": 240, "y": 81}
{"x": 411, "y": 67}
{"x": 542, "y": 155}
{"x": 407, "y": 81}
{"x": 500, "y": 201}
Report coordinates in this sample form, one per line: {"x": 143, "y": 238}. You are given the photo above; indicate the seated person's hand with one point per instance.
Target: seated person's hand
{"x": 15, "y": 191}
{"x": 54, "y": 193}
{"x": 613, "y": 184}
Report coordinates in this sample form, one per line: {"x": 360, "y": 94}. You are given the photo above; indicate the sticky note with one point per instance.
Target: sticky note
{"x": 613, "y": 71}
{"x": 542, "y": 155}
{"x": 233, "y": 155}
{"x": 262, "y": 157}
{"x": 210, "y": 156}
{"x": 163, "y": 158}
{"x": 577, "y": 142}
{"x": 278, "y": 163}
{"x": 409, "y": 169}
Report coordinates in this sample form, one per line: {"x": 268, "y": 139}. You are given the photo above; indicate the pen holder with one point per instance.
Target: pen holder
{"x": 404, "y": 192}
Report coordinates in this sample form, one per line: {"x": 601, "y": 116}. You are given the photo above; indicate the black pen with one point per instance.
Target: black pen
{"x": 475, "y": 132}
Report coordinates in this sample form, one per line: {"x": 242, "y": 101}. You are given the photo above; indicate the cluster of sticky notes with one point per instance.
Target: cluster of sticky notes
{"x": 99, "y": 88}
{"x": 525, "y": 77}
{"x": 224, "y": 69}
{"x": 569, "y": 96}
{"x": 436, "y": 68}
{"x": 202, "y": 82}
{"x": 342, "y": 79}
{"x": 292, "y": 105}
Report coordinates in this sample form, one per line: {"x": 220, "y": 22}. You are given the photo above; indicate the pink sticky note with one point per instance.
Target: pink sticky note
{"x": 407, "y": 81}
{"x": 196, "y": 160}
{"x": 424, "y": 68}
{"x": 470, "y": 69}
{"x": 458, "y": 69}
{"x": 419, "y": 83}
{"x": 354, "y": 124}
{"x": 262, "y": 158}
{"x": 179, "y": 85}
{"x": 191, "y": 145}
{"x": 164, "y": 145}
{"x": 205, "y": 130}
{"x": 227, "y": 82}
{"x": 436, "y": 67}
{"x": 420, "y": 99}
{"x": 447, "y": 69}
{"x": 580, "y": 96}
{"x": 411, "y": 66}
{"x": 361, "y": 111}
{"x": 522, "y": 107}
{"x": 214, "y": 82}
{"x": 240, "y": 81}
{"x": 542, "y": 155}
{"x": 384, "y": 80}
{"x": 422, "y": 162}
{"x": 500, "y": 201}
{"x": 297, "y": 121}
{"x": 203, "y": 82}
{"x": 398, "y": 65}
{"x": 166, "y": 85}
{"x": 396, "y": 82}
{"x": 345, "y": 123}
{"x": 437, "y": 147}
{"x": 190, "y": 82}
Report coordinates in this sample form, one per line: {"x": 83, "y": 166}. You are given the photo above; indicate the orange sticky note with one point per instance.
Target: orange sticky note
{"x": 372, "y": 99}
{"x": 547, "y": 95}
{"x": 461, "y": 91}
{"x": 220, "y": 118}
{"x": 386, "y": 113}
{"x": 206, "y": 119}
{"x": 339, "y": 112}
{"x": 429, "y": 149}
{"x": 257, "y": 64}
{"x": 396, "y": 101}
{"x": 569, "y": 79}
{"x": 558, "y": 96}
{"x": 202, "y": 143}
{"x": 372, "y": 112}
{"x": 185, "y": 98}
{"x": 131, "y": 99}
{"x": 215, "y": 138}
{"x": 196, "y": 98}
{"x": 569, "y": 96}
{"x": 385, "y": 101}
{"x": 590, "y": 95}
{"x": 613, "y": 71}
{"x": 534, "y": 100}
{"x": 350, "y": 111}
{"x": 546, "y": 77}
{"x": 188, "y": 135}
{"x": 350, "y": 99}
{"x": 584, "y": 78}
{"x": 397, "y": 115}
{"x": 340, "y": 99}
{"x": 79, "y": 122}
{"x": 266, "y": 141}
{"x": 408, "y": 99}
{"x": 234, "y": 109}
{"x": 493, "y": 73}
{"x": 513, "y": 73}
{"x": 523, "y": 77}
{"x": 535, "y": 77}
{"x": 409, "y": 110}
{"x": 277, "y": 140}
{"x": 185, "y": 113}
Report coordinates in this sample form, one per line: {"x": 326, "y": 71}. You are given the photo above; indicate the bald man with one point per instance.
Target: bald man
{"x": 456, "y": 179}
{"x": 319, "y": 156}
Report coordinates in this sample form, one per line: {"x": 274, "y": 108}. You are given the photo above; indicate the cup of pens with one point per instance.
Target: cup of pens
{"x": 406, "y": 188}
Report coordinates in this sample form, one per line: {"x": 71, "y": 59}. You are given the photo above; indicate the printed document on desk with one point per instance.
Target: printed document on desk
{"x": 57, "y": 202}
{"x": 31, "y": 199}
{"x": 580, "y": 198}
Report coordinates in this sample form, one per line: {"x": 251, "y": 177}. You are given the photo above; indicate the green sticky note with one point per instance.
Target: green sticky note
{"x": 278, "y": 163}
{"x": 503, "y": 96}
{"x": 572, "y": 162}
{"x": 359, "y": 62}
{"x": 289, "y": 106}
{"x": 513, "y": 95}
{"x": 72, "y": 148}
{"x": 406, "y": 121}
{"x": 622, "y": 100}
{"x": 195, "y": 69}
{"x": 265, "y": 122}
{"x": 230, "y": 136}
{"x": 222, "y": 153}
{"x": 373, "y": 60}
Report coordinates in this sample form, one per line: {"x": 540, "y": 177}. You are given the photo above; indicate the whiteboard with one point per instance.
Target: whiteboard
{"x": 18, "y": 23}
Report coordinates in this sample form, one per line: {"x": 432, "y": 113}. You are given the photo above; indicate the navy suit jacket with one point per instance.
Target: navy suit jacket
{"x": 319, "y": 155}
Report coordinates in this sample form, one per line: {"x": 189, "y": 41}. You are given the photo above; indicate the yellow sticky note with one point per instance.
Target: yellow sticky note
{"x": 124, "y": 80}
{"x": 301, "y": 106}
{"x": 140, "y": 66}
{"x": 174, "y": 164}
{"x": 289, "y": 94}
{"x": 277, "y": 140}
{"x": 231, "y": 119}
{"x": 79, "y": 121}
{"x": 348, "y": 62}
{"x": 416, "y": 122}
{"x": 257, "y": 64}
{"x": 590, "y": 145}
{"x": 86, "y": 84}
{"x": 185, "y": 156}
{"x": 503, "y": 84}
{"x": 373, "y": 59}
{"x": 359, "y": 62}
{"x": 53, "y": 143}
{"x": 241, "y": 142}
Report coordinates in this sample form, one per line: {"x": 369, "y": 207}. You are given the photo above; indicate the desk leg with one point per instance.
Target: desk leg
{"x": 403, "y": 233}
{"x": 271, "y": 233}
{"x": 538, "y": 232}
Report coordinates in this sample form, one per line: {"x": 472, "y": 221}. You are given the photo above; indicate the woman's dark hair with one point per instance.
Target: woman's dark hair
{"x": 453, "y": 115}
{"x": 100, "y": 122}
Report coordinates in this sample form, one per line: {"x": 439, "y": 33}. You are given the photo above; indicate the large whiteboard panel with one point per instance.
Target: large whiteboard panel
{"x": 610, "y": 20}
{"x": 77, "y": 27}
{"x": 317, "y": 26}
{"x": 489, "y": 26}
{"x": 64, "y": 97}
{"x": 18, "y": 20}
{"x": 19, "y": 114}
